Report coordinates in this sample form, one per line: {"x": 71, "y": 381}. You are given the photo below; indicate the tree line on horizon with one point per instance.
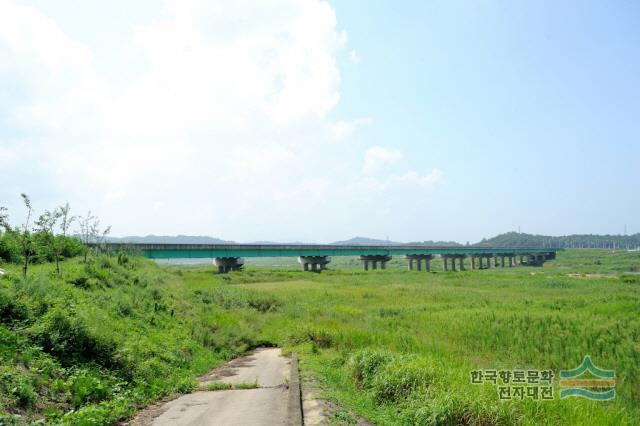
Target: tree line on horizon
{"x": 577, "y": 241}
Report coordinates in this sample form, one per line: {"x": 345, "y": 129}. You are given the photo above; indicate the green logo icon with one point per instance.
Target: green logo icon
{"x": 588, "y": 381}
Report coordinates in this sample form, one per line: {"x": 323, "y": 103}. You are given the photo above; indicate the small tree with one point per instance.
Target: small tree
{"x": 103, "y": 236}
{"x": 90, "y": 232}
{"x": 24, "y": 236}
{"x": 4, "y": 218}
{"x": 66, "y": 218}
{"x": 45, "y": 225}
{"x": 87, "y": 225}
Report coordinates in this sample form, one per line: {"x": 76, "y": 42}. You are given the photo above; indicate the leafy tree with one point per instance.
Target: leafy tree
{"x": 25, "y": 237}
{"x": 8, "y": 246}
{"x": 45, "y": 226}
{"x": 4, "y": 218}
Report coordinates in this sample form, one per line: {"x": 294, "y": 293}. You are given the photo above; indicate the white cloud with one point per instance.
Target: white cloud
{"x": 343, "y": 129}
{"x": 353, "y": 55}
{"x": 414, "y": 178}
{"x": 378, "y": 158}
{"x": 223, "y": 127}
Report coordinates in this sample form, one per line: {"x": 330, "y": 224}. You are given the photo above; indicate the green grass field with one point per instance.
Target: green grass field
{"x": 395, "y": 347}
{"x": 433, "y": 329}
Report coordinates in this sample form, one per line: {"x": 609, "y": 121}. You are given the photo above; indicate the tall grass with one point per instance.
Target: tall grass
{"x": 398, "y": 346}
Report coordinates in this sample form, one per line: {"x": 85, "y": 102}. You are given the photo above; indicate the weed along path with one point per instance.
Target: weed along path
{"x": 252, "y": 390}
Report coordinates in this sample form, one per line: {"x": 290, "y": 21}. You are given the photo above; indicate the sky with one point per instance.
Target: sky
{"x": 316, "y": 121}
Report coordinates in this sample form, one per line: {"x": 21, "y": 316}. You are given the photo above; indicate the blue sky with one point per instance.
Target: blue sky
{"x": 317, "y": 121}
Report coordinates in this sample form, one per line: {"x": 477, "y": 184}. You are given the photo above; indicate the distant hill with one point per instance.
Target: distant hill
{"x": 436, "y": 243}
{"x": 364, "y": 241}
{"x": 170, "y": 239}
{"x": 515, "y": 239}
{"x": 293, "y": 243}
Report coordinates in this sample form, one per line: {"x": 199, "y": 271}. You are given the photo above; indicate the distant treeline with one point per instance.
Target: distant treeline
{"x": 515, "y": 239}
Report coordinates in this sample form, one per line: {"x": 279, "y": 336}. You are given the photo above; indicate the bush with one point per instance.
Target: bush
{"x": 18, "y": 388}
{"x": 85, "y": 282}
{"x": 69, "y": 246}
{"x": 317, "y": 336}
{"x": 11, "y": 310}
{"x": 86, "y": 387}
{"x": 365, "y": 363}
{"x": 9, "y": 248}
{"x": 449, "y": 410}
{"x": 396, "y": 380}
{"x": 264, "y": 304}
{"x": 630, "y": 279}
{"x": 67, "y": 339}
{"x": 186, "y": 385}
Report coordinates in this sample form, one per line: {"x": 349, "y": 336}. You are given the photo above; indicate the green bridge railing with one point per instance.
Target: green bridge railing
{"x": 187, "y": 251}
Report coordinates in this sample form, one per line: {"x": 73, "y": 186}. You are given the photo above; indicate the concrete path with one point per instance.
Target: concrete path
{"x": 265, "y": 405}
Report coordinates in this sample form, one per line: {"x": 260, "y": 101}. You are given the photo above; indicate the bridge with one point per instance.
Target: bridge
{"x": 315, "y": 257}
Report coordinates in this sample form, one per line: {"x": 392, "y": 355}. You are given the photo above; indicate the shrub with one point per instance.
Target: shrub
{"x": 69, "y": 246}
{"x": 186, "y": 385}
{"x": 396, "y": 380}
{"x": 321, "y": 338}
{"x": 630, "y": 279}
{"x": 20, "y": 389}
{"x": 85, "y": 282}
{"x": 448, "y": 410}
{"x": 86, "y": 387}
{"x": 11, "y": 310}
{"x": 365, "y": 363}
{"x": 123, "y": 259}
{"x": 9, "y": 248}
{"x": 103, "y": 413}
{"x": 264, "y": 304}
{"x": 66, "y": 337}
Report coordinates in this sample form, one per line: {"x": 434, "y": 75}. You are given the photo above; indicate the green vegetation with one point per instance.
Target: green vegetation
{"x": 398, "y": 346}
{"x": 101, "y": 339}
{"x": 217, "y": 386}
{"x": 517, "y": 239}
{"x": 93, "y": 344}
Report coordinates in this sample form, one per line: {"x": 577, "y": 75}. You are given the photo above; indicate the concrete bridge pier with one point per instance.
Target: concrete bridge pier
{"x": 314, "y": 263}
{"x": 418, "y": 258}
{"x": 479, "y": 260}
{"x": 484, "y": 262}
{"x": 461, "y": 258}
{"x": 374, "y": 260}
{"x": 228, "y": 264}
{"x": 454, "y": 258}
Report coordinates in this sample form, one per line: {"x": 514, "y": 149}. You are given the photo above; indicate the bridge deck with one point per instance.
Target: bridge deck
{"x": 187, "y": 251}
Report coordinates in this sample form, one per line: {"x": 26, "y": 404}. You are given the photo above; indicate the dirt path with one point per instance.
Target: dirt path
{"x": 264, "y": 405}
